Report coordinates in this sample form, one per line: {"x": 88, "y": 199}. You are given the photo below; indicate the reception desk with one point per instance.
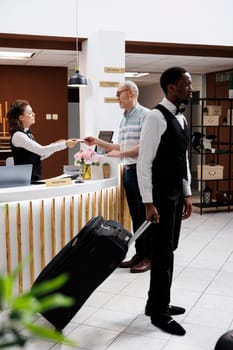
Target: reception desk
{"x": 37, "y": 221}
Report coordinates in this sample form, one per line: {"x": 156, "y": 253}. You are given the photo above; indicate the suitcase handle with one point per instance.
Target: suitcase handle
{"x": 141, "y": 229}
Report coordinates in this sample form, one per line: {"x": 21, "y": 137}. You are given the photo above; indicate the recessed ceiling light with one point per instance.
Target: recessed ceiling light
{"x": 10, "y": 55}
{"x": 135, "y": 74}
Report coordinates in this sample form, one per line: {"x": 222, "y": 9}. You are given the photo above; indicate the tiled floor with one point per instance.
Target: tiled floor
{"x": 113, "y": 317}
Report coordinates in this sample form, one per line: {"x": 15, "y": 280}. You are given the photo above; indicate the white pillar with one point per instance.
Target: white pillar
{"x": 102, "y": 49}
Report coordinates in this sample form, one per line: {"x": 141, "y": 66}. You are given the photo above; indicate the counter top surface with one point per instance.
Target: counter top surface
{"x": 38, "y": 191}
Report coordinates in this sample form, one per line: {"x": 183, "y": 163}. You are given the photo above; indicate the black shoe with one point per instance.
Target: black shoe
{"x": 167, "y": 324}
{"x": 173, "y": 310}
{"x": 176, "y": 310}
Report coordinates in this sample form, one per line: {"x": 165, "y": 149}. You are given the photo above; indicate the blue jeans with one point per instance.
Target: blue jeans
{"x": 137, "y": 210}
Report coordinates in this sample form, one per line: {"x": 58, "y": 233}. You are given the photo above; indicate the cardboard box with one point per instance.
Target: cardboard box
{"x": 214, "y": 110}
{"x": 210, "y": 172}
{"x": 211, "y": 120}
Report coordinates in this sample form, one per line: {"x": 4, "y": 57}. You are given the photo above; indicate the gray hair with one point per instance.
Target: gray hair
{"x": 128, "y": 84}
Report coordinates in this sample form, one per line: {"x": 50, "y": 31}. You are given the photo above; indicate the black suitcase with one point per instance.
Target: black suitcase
{"x": 88, "y": 259}
{"x": 225, "y": 342}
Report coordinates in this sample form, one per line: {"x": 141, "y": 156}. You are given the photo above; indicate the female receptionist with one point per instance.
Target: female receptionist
{"x": 25, "y": 149}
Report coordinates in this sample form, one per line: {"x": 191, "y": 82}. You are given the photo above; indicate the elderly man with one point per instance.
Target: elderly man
{"x": 127, "y": 149}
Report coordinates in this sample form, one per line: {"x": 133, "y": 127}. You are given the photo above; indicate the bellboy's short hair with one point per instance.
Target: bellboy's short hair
{"x": 171, "y": 76}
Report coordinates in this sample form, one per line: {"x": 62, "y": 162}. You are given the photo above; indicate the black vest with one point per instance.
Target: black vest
{"x": 23, "y": 156}
{"x": 169, "y": 165}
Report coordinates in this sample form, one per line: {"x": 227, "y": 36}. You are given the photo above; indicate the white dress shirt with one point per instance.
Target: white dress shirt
{"x": 20, "y": 139}
{"x": 153, "y": 128}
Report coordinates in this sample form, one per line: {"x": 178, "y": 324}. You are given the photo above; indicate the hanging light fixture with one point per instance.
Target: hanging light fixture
{"x": 77, "y": 80}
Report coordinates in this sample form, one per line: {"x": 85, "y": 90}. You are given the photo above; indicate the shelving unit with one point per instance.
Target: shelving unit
{"x": 213, "y": 153}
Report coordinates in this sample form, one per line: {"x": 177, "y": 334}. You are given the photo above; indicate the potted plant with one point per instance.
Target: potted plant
{"x": 106, "y": 170}
{"x": 18, "y": 313}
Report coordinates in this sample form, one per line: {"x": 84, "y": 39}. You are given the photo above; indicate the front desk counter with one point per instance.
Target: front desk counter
{"x": 37, "y": 221}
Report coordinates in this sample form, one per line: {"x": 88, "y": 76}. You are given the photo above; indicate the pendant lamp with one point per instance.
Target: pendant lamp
{"x": 77, "y": 80}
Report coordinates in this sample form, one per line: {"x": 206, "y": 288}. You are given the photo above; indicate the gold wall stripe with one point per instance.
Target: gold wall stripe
{"x": 53, "y": 227}
{"x": 71, "y": 217}
{"x": 8, "y": 246}
{"x": 109, "y": 84}
{"x": 87, "y": 207}
{"x": 100, "y": 202}
{"x": 31, "y": 244}
{"x": 94, "y": 207}
{"x": 115, "y": 203}
{"x": 127, "y": 217}
{"x": 80, "y": 212}
{"x": 110, "y": 100}
{"x": 111, "y": 216}
{"x": 105, "y": 204}
{"x": 63, "y": 222}
{"x": 42, "y": 235}
{"x": 114, "y": 70}
{"x": 19, "y": 245}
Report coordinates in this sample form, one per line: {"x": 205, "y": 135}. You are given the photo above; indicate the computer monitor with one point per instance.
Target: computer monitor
{"x": 15, "y": 175}
{"x": 105, "y": 136}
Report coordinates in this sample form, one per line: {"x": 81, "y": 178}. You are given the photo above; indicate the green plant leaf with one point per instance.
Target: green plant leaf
{"x": 20, "y": 311}
{"x": 49, "y": 286}
{"x": 47, "y": 333}
{"x": 55, "y": 300}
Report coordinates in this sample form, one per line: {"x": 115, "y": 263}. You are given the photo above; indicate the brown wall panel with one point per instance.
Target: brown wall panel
{"x": 46, "y": 90}
{"x": 216, "y": 89}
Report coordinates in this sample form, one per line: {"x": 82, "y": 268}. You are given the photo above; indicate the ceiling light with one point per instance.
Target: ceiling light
{"x": 11, "y": 55}
{"x": 135, "y": 74}
{"x": 77, "y": 80}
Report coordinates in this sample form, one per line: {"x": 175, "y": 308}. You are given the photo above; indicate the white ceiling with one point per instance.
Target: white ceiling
{"x": 153, "y": 64}
{"x": 156, "y": 64}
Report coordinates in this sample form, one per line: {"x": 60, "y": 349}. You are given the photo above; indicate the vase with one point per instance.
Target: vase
{"x": 86, "y": 171}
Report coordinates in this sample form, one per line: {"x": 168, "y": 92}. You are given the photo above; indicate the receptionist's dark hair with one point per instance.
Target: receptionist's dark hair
{"x": 15, "y": 110}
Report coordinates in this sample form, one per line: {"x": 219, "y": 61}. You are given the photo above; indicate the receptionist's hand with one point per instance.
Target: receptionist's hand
{"x": 71, "y": 142}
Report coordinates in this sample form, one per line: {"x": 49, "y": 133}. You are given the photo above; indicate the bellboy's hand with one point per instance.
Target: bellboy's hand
{"x": 151, "y": 211}
{"x": 187, "y": 210}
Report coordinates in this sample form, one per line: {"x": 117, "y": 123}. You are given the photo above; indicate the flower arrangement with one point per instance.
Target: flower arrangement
{"x": 86, "y": 157}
